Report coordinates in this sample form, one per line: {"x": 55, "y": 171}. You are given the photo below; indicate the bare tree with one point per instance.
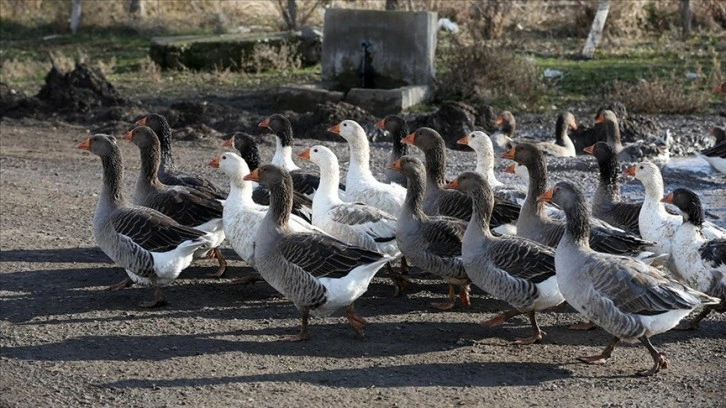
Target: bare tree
{"x": 289, "y": 11}
{"x": 686, "y": 19}
{"x": 76, "y": 7}
{"x": 137, "y": 9}
{"x": 392, "y": 5}
{"x": 598, "y": 23}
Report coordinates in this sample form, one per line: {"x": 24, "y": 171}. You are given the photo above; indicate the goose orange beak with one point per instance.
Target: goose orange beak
{"x": 600, "y": 118}
{"x": 128, "y": 135}
{"x": 381, "y": 124}
{"x": 509, "y": 154}
{"x": 229, "y": 142}
{"x": 630, "y": 171}
{"x": 141, "y": 122}
{"x": 264, "y": 123}
{"x": 335, "y": 129}
{"x": 254, "y": 176}
{"x": 452, "y": 185}
{"x": 547, "y": 196}
{"x": 589, "y": 149}
{"x": 395, "y": 165}
{"x": 510, "y": 169}
{"x": 463, "y": 141}
{"x": 305, "y": 155}
{"x": 573, "y": 126}
{"x": 409, "y": 139}
{"x": 214, "y": 162}
{"x": 500, "y": 120}
{"x": 85, "y": 145}
{"x": 667, "y": 199}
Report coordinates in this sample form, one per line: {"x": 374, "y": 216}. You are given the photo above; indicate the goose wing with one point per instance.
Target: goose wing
{"x": 444, "y": 235}
{"x": 713, "y": 252}
{"x": 187, "y": 206}
{"x": 523, "y": 258}
{"x": 365, "y": 219}
{"x": 321, "y": 255}
{"x": 150, "y": 229}
{"x": 634, "y": 287}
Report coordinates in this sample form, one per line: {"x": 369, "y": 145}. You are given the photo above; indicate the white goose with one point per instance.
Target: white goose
{"x": 701, "y": 262}
{"x": 361, "y": 186}
{"x": 655, "y": 223}
{"x": 241, "y": 215}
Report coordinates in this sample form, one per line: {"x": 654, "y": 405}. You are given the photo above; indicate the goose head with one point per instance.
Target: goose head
{"x": 230, "y": 164}
{"x": 349, "y": 130}
{"x": 143, "y": 137}
{"x": 688, "y": 202}
{"x": 468, "y": 183}
{"x": 320, "y": 155}
{"x": 408, "y": 165}
{"x": 480, "y": 142}
{"x": 280, "y": 126}
{"x": 425, "y": 139}
{"x": 506, "y": 123}
{"x": 99, "y": 144}
{"x": 647, "y": 172}
{"x": 518, "y": 170}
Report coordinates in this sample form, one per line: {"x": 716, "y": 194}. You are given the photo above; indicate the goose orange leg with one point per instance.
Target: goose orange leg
{"x": 450, "y": 303}
{"x": 500, "y": 318}
{"x": 303, "y": 335}
{"x": 216, "y": 253}
{"x": 159, "y": 300}
{"x": 602, "y": 357}
{"x": 537, "y": 333}
{"x": 356, "y": 322}
{"x": 659, "y": 359}
{"x": 399, "y": 281}
{"x": 121, "y": 285}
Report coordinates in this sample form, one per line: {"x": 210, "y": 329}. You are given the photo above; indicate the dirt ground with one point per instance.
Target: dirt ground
{"x": 66, "y": 341}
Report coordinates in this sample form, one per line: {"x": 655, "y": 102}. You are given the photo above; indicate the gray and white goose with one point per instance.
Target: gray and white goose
{"x": 397, "y": 129}
{"x": 534, "y": 223}
{"x": 433, "y": 243}
{"x": 167, "y": 170}
{"x": 700, "y": 261}
{"x": 187, "y": 206}
{"x": 317, "y": 272}
{"x": 452, "y": 203}
{"x": 562, "y": 146}
{"x": 635, "y": 151}
{"x": 514, "y": 269}
{"x": 627, "y": 298}
{"x": 607, "y": 203}
{"x": 716, "y": 154}
{"x": 151, "y": 247}
{"x": 303, "y": 181}
{"x": 302, "y": 206}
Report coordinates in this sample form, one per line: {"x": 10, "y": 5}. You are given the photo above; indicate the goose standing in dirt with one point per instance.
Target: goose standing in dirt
{"x": 452, "y": 203}
{"x": 304, "y": 182}
{"x": 607, "y": 204}
{"x": 186, "y": 205}
{"x": 700, "y": 261}
{"x": 245, "y": 144}
{"x": 167, "y": 170}
{"x": 151, "y": 247}
{"x": 361, "y": 186}
{"x": 433, "y": 243}
{"x": 514, "y": 269}
{"x": 397, "y": 129}
{"x": 353, "y": 223}
{"x": 318, "y": 273}
{"x": 627, "y": 298}
{"x": 534, "y": 223}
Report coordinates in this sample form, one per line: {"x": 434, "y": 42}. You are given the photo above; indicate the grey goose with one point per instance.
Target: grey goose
{"x": 151, "y": 247}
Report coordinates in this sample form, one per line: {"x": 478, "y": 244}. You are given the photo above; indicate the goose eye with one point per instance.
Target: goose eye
{"x": 315, "y": 150}
{"x": 641, "y": 167}
{"x": 224, "y": 157}
{"x": 345, "y": 124}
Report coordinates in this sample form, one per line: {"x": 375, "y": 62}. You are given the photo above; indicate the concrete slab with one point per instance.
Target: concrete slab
{"x": 402, "y": 47}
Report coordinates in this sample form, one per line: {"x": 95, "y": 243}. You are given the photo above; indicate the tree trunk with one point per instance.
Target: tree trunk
{"x": 598, "y": 23}
{"x": 292, "y": 12}
{"x": 137, "y": 9}
{"x": 392, "y": 5}
{"x": 76, "y": 15}
{"x": 686, "y": 19}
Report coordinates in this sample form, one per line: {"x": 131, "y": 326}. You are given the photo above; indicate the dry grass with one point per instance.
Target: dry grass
{"x": 662, "y": 96}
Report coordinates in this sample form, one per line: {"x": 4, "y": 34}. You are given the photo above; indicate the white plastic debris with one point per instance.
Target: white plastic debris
{"x": 552, "y": 73}
{"x": 448, "y": 25}
{"x": 692, "y": 75}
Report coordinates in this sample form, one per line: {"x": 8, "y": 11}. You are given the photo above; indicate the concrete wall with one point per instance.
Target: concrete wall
{"x": 403, "y": 46}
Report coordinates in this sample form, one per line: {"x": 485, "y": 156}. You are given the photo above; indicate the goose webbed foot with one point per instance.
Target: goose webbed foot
{"x": 448, "y": 304}
{"x": 537, "y": 333}
{"x": 355, "y": 321}
{"x": 121, "y": 285}
{"x": 250, "y": 279}
{"x": 659, "y": 360}
{"x": 582, "y": 326}
{"x": 464, "y": 291}
{"x": 159, "y": 300}
{"x": 216, "y": 253}
{"x": 602, "y": 357}
{"x": 303, "y": 335}
{"x": 500, "y": 318}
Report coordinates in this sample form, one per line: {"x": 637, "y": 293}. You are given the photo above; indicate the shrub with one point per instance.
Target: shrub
{"x": 674, "y": 95}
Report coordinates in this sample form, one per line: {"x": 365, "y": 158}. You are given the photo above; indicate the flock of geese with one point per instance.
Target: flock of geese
{"x": 633, "y": 269}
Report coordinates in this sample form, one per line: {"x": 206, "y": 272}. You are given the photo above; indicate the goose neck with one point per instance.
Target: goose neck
{"x": 415, "y": 191}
